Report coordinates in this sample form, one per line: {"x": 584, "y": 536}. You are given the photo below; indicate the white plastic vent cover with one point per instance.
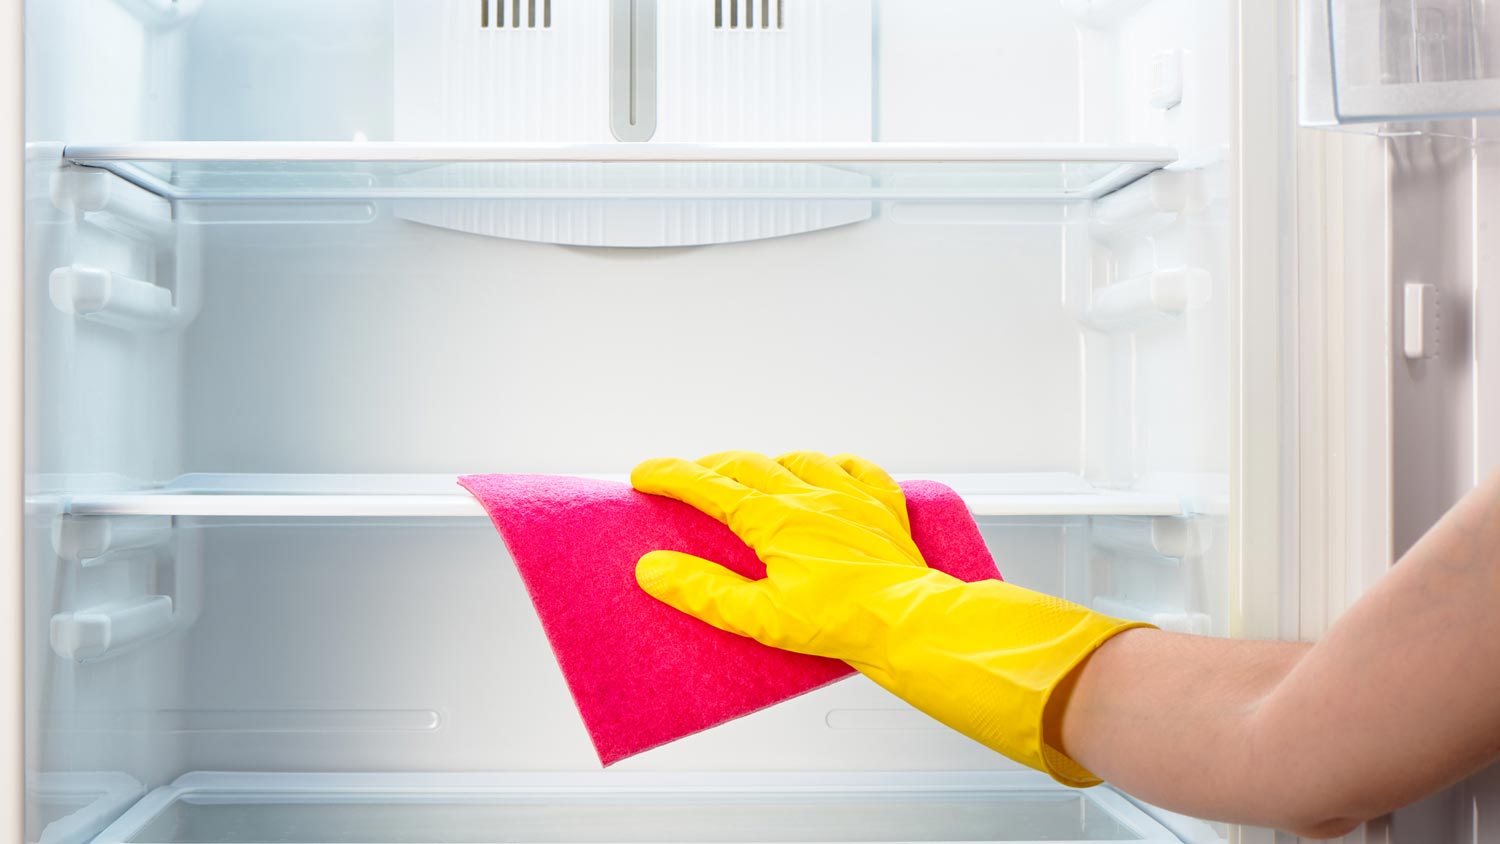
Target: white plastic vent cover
{"x": 804, "y": 78}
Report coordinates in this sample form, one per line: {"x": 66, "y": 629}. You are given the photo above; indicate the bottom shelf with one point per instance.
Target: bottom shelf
{"x": 627, "y": 807}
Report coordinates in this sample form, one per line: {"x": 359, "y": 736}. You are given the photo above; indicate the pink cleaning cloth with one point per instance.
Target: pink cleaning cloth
{"x": 642, "y": 673}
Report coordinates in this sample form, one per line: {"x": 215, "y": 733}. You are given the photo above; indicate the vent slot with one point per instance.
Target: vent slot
{"x": 749, "y": 14}
{"x": 515, "y": 14}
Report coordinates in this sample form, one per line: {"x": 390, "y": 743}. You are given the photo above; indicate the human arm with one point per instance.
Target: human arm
{"x": 1399, "y": 699}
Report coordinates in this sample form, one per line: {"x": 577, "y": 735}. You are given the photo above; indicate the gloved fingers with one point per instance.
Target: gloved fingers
{"x": 705, "y": 590}
{"x": 878, "y": 482}
{"x": 755, "y": 471}
{"x": 824, "y": 472}
{"x": 692, "y": 484}
{"x": 866, "y": 472}
{"x": 819, "y": 470}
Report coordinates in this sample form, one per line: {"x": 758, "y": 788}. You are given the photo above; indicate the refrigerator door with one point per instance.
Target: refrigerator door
{"x": 1444, "y": 202}
{"x": 1398, "y": 378}
{"x": 1400, "y": 303}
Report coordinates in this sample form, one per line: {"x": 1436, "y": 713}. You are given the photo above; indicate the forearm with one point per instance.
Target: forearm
{"x": 1402, "y": 697}
{"x": 1398, "y": 700}
{"x": 1169, "y": 718}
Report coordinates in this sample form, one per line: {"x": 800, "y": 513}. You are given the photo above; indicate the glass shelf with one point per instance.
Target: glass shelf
{"x": 314, "y": 171}
{"x": 439, "y": 496}
{"x": 627, "y": 807}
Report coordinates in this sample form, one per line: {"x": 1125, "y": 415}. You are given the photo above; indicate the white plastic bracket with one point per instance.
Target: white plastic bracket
{"x": 1168, "y": 537}
{"x": 1422, "y": 322}
{"x": 1148, "y": 205}
{"x": 111, "y": 298}
{"x": 105, "y": 630}
{"x": 78, "y": 190}
{"x": 89, "y": 539}
{"x": 106, "y": 201}
{"x": 1151, "y": 298}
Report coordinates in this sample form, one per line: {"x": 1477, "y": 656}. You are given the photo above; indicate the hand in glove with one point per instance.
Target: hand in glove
{"x": 845, "y": 580}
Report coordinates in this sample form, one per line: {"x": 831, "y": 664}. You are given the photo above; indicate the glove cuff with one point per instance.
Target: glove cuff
{"x": 985, "y": 658}
{"x": 1053, "y": 761}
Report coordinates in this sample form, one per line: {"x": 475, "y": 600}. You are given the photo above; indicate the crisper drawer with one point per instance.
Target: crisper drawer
{"x": 580, "y": 809}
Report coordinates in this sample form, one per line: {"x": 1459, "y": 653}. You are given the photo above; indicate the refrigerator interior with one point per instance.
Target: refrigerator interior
{"x": 291, "y": 267}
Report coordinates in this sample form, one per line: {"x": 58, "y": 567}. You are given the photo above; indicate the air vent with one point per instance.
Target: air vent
{"x": 515, "y": 14}
{"x": 749, "y": 14}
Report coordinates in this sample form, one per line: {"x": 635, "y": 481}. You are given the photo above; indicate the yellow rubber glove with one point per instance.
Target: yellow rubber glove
{"x": 845, "y": 580}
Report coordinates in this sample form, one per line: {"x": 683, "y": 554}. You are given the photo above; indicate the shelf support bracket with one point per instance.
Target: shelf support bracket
{"x": 111, "y": 298}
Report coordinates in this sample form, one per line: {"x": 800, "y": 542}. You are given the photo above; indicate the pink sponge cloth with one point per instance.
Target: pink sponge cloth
{"x": 643, "y": 674}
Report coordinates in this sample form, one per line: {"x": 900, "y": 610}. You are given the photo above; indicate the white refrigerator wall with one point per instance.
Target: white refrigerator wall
{"x": 341, "y": 338}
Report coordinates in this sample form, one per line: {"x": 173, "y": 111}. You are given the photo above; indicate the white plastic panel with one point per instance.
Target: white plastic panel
{"x": 456, "y": 80}
{"x": 285, "y": 70}
{"x": 452, "y": 353}
{"x": 948, "y": 69}
{"x": 105, "y": 69}
{"x": 554, "y": 77}
{"x": 807, "y": 78}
